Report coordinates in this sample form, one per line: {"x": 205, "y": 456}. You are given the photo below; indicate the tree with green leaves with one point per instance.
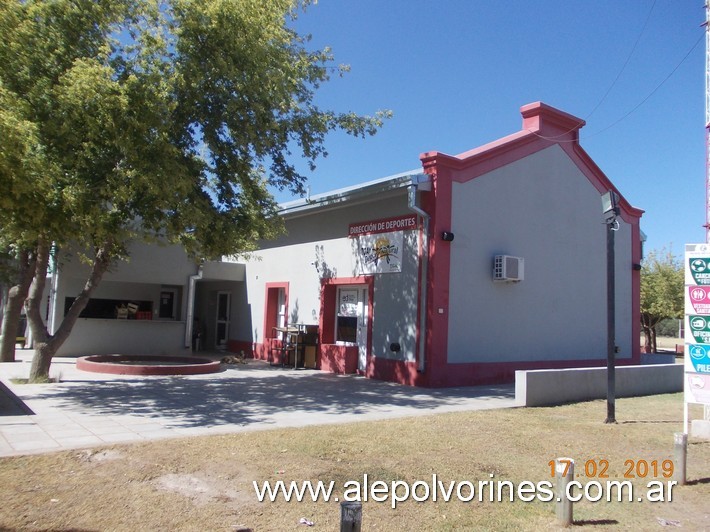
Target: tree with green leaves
{"x": 22, "y": 185}
{"x": 662, "y": 284}
{"x": 154, "y": 119}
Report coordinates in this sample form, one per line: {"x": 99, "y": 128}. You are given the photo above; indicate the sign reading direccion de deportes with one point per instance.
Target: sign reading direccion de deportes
{"x": 697, "y": 323}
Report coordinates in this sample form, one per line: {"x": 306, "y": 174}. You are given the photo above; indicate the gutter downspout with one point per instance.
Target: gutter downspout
{"x": 52, "y": 309}
{"x": 424, "y": 273}
{"x": 53, "y": 284}
{"x": 191, "y": 306}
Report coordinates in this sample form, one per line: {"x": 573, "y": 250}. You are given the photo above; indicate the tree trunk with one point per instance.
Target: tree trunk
{"x": 3, "y": 298}
{"x": 654, "y": 346}
{"x": 16, "y": 297}
{"x": 646, "y": 333}
{"x": 647, "y": 340}
{"x": 10, "y": 324}
{"x": 46, "y": 344}
{"x": 39, "y": 370}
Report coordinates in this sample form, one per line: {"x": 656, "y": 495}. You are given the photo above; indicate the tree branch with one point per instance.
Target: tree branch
{"x": 102, "y": 261}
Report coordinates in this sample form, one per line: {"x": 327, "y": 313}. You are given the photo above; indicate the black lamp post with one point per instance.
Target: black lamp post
{"x": 610, "y": 208}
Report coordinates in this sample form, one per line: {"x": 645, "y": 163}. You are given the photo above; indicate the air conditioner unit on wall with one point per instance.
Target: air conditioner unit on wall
{"x": 507, "y": 268}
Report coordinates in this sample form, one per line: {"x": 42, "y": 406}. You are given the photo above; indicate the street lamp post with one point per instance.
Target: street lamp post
{"x": 610, "y": 207}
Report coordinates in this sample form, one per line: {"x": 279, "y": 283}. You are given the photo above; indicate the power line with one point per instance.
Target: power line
{"x": 628, "y": 59}
{"x": 613, "y": 83}
{"x": 643, "y": 101}
{"x": 653, "y": 91}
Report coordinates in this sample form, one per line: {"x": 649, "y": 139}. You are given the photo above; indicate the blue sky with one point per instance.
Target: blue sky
{"x": 456, "y": 72}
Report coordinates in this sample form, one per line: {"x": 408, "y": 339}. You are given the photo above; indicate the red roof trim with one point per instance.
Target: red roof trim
{"x": 543, "y": 126}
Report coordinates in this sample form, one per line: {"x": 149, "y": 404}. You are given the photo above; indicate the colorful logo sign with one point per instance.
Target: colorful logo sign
{"x": 700, "y": 270}
{"x": 380, "y": 253}
{"x": 697, "y": 325}
{"x": 700, "y": 358}
{"x": 383, "y": 249}
{"x": 700, "y": 327}
{"x": 699, "y": 299}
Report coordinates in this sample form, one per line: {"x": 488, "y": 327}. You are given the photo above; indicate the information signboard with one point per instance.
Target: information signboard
{"x": 380, "y": 243}
{"x": 697, "y": 326}
{"x": 697, "y": 300}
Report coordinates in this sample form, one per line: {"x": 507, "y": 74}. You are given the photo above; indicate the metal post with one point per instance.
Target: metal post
{"x": 707, "y": 121}
{"x": 610, "y": 324}
{"x": 350, "y": 516}
{"x": 680, "y": 453}
{"x": 564, "y": 474}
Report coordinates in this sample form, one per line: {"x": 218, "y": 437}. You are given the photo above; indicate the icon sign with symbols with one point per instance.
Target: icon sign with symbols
{"x": 697, "y": 327}
{"x": 699, "y": 299}
{"x": 700, "y": 270}
{"x": 700, "y": 328}
{"x": 700, "y": 358}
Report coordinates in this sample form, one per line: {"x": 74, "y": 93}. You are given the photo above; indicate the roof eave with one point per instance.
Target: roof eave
{"x": 352, "y": 194}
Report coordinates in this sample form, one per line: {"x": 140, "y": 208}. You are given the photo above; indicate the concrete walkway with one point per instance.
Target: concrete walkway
{"x": 89, "y": 409}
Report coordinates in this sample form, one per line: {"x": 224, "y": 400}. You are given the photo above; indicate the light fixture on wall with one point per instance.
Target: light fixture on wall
{"x": 447, "y": 236}
{"x": 610, "y": 200}
{"x": 610, "y": 207}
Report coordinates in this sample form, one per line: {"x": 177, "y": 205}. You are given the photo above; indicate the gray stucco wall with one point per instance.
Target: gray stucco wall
{"x": 395, "y": 306}
{"x": 151, "y": 268}
{"x": 147, "y": 263}
{"x": 541, "y": 208}
{"x": 321, "y": 240}
{"x": 135, "y": 337}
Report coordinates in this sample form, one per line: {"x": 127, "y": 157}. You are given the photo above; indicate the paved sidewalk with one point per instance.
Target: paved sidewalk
{"x": 89, "y": 409}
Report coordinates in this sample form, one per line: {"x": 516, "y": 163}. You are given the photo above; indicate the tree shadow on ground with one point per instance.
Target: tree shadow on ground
{"x": 252, "y": 394}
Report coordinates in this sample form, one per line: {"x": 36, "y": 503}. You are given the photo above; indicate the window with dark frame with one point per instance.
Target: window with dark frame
{"x": 110, "y": 308}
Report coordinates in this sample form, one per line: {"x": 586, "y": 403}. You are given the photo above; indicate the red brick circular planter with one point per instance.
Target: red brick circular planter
{"x": 147, "y": 365}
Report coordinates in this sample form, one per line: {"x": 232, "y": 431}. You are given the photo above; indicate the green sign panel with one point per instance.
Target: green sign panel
{"x": 700, "y": 270}
{"x": 700, "y": 327}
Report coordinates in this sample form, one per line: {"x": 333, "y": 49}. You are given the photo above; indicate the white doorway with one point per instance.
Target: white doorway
{"x": 224, "y": 309}
{"x": 351, "y": 320}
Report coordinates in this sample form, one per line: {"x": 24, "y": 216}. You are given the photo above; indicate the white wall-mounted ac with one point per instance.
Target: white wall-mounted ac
{"x": 507, "y": 268}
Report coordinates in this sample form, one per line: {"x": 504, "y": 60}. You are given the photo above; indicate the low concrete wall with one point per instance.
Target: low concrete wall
{"x": 546, "y": 387}
{"x": 657, "y": 358}
{"x": 700, "y": 428}
{"x": 126, "y": 337}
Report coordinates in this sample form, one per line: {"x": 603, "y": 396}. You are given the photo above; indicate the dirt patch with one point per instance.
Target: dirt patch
{"x": 102, "y": 455}
{"x": 199, "y": 487}
{"x": 206, "y": 483}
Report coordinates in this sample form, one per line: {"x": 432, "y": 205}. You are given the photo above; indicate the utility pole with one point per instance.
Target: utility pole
{"x": 707, "y": 121}
{"x": 706, "y": 408}
{"x": 610, "y": 208}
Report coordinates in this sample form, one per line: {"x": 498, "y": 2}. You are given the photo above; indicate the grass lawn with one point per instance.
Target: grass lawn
{"x": 206, "y": 483}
